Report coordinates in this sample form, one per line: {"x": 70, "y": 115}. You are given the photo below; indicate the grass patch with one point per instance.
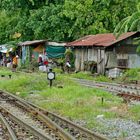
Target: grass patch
{"x": 4, "y": 71}
{"x": 89, "y": 76}
{"x": 129, "y": 76}
{"x": 82, "y": 75}
{"x": 134, "y": 112}
{"x": 66, "y": 97}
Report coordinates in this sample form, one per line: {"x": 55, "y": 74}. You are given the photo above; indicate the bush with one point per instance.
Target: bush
{"x": 132, "y": 74}
{"x": 102, "y": 78}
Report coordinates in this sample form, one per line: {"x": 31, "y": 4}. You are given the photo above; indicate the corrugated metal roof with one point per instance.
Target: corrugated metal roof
{"x": 28, "y": 43}
{"x": 56, "y": 44}
{"x": 102, "y": 40}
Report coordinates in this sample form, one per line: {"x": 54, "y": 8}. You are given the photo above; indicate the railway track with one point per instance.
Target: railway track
{"x": 77, "y": 131}
{"x": 59, "y": 127}
{"x": 39, "y": 123}
{"x": 19, "y": 129}
{"x": 131, "y": 92}
{"x": 5, "y": 130}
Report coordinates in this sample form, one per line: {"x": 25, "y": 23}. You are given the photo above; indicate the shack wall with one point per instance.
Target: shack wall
{"x": 82, "y": 55}
{"x": 123, "y": 55}
{"x": 133, "y": 61}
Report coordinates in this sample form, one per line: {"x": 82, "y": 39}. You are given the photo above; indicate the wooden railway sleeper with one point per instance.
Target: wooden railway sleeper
{"x": 33, "y": 130}
{"x": 42, "y": 117}
{"x": 83, "y": 132}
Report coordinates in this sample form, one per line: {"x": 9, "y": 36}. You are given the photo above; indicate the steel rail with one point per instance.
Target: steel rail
{"x": 8, "y": 127}
{"x": 129, "y": 96}
{"x": 85, "y": 133}
{"x": 125, "y": 91}
{"x": 76, "y": 131}
{"x": 30, "y": 128}
{"x": 131, "y": 86}
{"x": 57, "y": 129}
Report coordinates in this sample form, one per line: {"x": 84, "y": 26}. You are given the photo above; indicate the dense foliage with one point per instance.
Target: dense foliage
{"x": 130, "y": 23}
{"x": 60, "y": 20}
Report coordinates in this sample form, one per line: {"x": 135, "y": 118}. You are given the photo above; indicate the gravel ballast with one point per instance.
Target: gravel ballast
{"x": 119, "y": 129}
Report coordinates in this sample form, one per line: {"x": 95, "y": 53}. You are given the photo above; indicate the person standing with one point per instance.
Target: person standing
{"x": 9, "y": 62}
{"x": 40, "y": 60}
{"x": 68, "y": 66}
{"x": 15, "y": 62}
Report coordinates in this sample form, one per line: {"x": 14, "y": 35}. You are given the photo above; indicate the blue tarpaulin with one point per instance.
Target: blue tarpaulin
{"x": 3, "y": 49}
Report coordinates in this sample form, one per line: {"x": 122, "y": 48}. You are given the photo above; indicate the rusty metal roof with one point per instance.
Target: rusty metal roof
{"x": 100, "y": 40}
{"x": 28, "y": 43}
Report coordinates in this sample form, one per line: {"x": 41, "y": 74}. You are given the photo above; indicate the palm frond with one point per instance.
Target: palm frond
{"x": 137, "y": 38}
{"x": 122, "y": 28}
{"x": 134, "y": 24}
{"x": 136, "y": 41}
{"x": 132, "y": 19}
{"x": 119, "y": 26}
{"x": 138, "y": 6}
{"x": 138, "y": 25}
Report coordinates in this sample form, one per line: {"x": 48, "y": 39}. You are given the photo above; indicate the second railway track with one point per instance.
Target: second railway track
{"x": 126, "y": 91}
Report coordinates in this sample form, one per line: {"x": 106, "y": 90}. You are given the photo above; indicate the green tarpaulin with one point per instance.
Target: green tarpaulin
{"x": 55, "y": 51}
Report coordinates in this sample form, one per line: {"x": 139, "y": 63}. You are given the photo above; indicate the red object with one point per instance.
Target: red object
{"x": 45, "y": 62}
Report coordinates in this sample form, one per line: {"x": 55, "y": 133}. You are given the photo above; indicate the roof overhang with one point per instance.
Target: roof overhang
{"x": 29, "y": 43}
{"x": 56, "y": 44}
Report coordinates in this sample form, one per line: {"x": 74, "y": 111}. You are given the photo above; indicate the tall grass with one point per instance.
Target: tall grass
{"x": 89, "y": 76}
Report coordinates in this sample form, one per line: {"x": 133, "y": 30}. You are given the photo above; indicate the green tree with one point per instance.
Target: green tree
{"x": 93, "y": 16}
{"x": 60, "y": 20}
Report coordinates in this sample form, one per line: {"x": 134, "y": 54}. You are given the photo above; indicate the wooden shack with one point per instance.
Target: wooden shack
{"x": 31, "y": 49}
{"x": 104, "y": 51}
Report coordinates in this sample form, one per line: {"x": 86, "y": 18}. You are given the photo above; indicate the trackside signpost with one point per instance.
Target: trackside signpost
{"x": 50, "y": 76}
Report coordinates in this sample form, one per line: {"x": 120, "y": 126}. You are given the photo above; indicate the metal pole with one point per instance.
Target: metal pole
{"x": 50, "y": 83}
